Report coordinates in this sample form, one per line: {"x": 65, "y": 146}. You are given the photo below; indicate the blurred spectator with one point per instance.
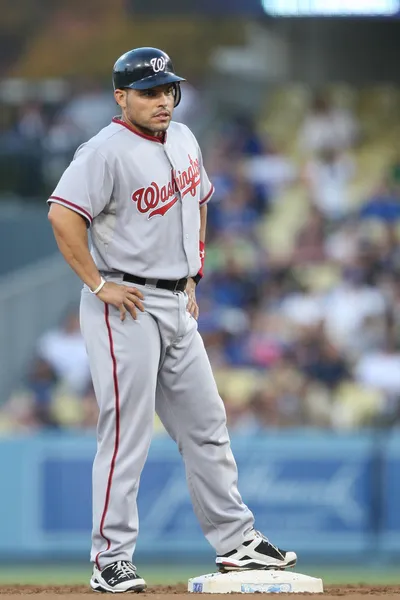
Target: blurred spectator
{"x": 264, "y": 343}
{"x": 31, "y": 124}
{"x": 31, "y": 405}
{"x": 327, "y": 365}
{"x": 310, "y": 239}
{"x": 388, "y": 250}
{"x": 64, "y": 350}
{"x": 90, "y": 409}
{"x": 41, "y": 383}
{"x": 234, "y": 213}
{"x": 235, "y": 289}
{"x": 271, "y": 170}
{"x": 356, "y": 406}
{"x": 21, "y": 152}
{"x": 342, "y": 243}
{"x": 327, "y": 128}
{"x": 241, "y": 137}
{"x": 384, "y": 204}
{"x": 327, "y": 176}
{"x": 263, "y": 412}
{"x": 192, "y": 106}
{"x": 303, "y": 307}
{"x": 348, "y": 306}
{"x": 380, "y": 370}
{"x": 90, "y": 108}
{"x": 60, "y": 142}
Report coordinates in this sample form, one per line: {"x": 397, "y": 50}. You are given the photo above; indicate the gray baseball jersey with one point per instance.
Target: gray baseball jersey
{"x": 142, "y": 197}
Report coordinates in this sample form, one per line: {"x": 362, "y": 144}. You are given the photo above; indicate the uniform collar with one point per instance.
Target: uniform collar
{"x": 151, "y": 138}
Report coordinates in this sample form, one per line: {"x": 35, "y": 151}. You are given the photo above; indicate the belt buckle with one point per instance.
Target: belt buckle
{"x": 178, "y": 282}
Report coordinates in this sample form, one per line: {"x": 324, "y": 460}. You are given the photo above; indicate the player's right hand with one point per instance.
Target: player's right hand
{"x": 123, "y": 297}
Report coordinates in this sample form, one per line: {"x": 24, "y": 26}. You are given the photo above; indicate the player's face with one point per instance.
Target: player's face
{"x": 148, "y": 110}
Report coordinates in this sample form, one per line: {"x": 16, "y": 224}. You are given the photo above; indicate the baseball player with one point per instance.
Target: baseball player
{"x": 141, "y": 187}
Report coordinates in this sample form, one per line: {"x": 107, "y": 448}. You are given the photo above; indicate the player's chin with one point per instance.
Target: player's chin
{"x": 161, "y": 123}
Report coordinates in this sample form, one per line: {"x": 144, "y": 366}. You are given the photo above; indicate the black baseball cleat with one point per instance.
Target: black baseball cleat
{"x": 116, "y": 578}
{"x": 257, "y": 553}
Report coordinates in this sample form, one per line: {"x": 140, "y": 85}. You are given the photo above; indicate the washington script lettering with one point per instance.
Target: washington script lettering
{"x": 157, "y": 200}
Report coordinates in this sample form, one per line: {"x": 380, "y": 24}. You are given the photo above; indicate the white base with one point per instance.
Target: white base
{"x": 250, "y": 582}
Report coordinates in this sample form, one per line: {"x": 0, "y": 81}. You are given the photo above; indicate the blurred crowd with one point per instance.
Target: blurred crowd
{"x": 300, "y": 305}
{"x": 41, "y": 129}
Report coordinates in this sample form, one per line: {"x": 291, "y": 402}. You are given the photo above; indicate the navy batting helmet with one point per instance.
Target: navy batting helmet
{"x": 144, "y": 68}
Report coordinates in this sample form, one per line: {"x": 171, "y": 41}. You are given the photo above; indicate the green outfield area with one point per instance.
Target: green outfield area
{"x": 168, "y": 575}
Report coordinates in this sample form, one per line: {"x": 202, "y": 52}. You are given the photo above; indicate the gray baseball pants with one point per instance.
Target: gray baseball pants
{"x": 156, "y": 363}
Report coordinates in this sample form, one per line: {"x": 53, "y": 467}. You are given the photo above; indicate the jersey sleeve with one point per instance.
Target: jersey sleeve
{"x": 206, "y": 187}
{"x": 86, "y": 185}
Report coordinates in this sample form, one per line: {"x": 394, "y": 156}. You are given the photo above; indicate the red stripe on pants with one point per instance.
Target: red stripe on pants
{"x": 117, "y": 426}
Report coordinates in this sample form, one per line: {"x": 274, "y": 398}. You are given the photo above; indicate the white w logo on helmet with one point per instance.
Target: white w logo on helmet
{"x": 158, "y": 64}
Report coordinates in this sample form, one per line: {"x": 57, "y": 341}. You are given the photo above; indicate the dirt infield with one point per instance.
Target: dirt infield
{"x": 178, "y": 592}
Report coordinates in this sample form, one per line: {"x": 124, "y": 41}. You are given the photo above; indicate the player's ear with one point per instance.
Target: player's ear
{"x": 120, "y": 97}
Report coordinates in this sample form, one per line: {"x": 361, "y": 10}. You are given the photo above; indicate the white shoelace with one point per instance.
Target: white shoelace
{"x": 259, "y": 534}
{"x": 124, "y": 568}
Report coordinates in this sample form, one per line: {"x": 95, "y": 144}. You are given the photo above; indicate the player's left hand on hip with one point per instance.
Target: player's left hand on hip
{"x": 192, "y": 307}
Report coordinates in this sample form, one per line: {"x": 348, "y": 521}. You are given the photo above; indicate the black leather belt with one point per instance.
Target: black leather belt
{"x": 178, "y": 285}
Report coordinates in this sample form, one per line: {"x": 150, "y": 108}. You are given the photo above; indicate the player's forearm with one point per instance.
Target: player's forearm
{"x": 73, "y": 245}
{"x": 203, "y": 223}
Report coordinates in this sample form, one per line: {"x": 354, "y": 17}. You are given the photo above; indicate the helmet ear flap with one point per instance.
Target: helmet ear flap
{"x": 178, "y": 94}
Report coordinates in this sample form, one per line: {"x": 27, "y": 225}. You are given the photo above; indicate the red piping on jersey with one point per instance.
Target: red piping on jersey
{"x": 208, "y": 195}
{"x": 75, "y": 207}
{"x": 117, "y": 429}
{"x": 151, "y": 138}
